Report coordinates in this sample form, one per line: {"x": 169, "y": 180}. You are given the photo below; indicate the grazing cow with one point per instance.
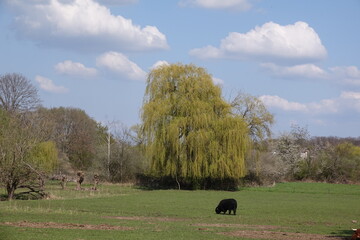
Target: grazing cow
{"x": 356, "y": 234}
{"x": 225, "y": 205}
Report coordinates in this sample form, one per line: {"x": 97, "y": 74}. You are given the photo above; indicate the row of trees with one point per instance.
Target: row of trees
{"x": 189, "y": 133}
{"x": 193, "y": 137}
{"x": 296, "y": 155}
{"x": 36, "y": 142}
{"x": 189, "y": 137}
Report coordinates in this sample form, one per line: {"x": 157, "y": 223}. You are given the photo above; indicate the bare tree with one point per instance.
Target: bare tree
{"x": 17, "y": 94}
{"x": 259, "y": 121}
{"x": 126, "y": 160}
{"x": 254, "y": 112}
{"x": 24, "y": 158}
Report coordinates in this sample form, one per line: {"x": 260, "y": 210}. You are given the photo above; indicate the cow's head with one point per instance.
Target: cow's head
{"x": 217, "y": 210}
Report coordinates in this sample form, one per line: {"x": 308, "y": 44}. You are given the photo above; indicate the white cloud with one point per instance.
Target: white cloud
{"x": 239, "y": 5}
{"x": 298, "y": 71}
{"x": 352, "y": 99}
{"x": 49, "y": 86}
{"x": 298, "y": 43}
{"x": 325, "y": 106}
{"x": 158, "y": 64}
{"x": 217, "y": 81}
{"x": 348, "y": 75}
{"x": 207, "y": 52}
{"x": 82, "y": 25}
{"x": 351, "y": 95}
{"x": 116, "y": 2}
{"x": 278, "y": 102}
{"x": 120, "y": 64}
{"x": 347, "y": 101}
{"x": 75, "y": 69}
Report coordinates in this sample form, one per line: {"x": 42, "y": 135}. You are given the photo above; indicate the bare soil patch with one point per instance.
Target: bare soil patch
{"x": 248, "y": 231}
{"x": 140, "y": 218}
{"x": 270, "y": 235}
{"x": 65, "y": 225}
{"x": 243, "y": 226}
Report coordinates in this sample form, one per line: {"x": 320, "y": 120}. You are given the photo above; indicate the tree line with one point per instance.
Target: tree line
{"x": 193, "y": 137}
{"x": 189, "y": 137}
{"x": 36, "y": 142}
{"x": 296, "y": 156}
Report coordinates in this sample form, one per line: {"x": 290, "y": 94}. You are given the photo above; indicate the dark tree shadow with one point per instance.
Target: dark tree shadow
{"x": 343, "y": 234}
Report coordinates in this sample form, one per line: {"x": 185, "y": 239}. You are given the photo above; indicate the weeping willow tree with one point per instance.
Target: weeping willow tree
{"x": 189, "y": 131}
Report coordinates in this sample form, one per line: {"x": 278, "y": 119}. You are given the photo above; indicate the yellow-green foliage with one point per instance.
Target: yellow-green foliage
{"x": 347, "y": 159}
{"x": 44, "y": 156}
{"x": 348, "y": 150}
{"x": 189, "y": 130}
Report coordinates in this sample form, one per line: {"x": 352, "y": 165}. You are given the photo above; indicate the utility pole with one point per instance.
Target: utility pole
{"x": 107, "y": 140}
{"x": 108, "y": 153}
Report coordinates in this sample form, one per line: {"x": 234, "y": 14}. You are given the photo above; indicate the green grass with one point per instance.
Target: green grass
{"x": 328, "y": 209}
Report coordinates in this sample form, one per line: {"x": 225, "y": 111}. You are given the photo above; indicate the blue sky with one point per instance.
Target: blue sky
{"x": 302, "y": 58}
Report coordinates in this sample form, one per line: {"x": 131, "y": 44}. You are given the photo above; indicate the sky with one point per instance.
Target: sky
{"x": 301, "y": 58}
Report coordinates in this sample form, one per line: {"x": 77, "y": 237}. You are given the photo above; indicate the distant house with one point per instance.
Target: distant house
{"x": 304, "y": 154}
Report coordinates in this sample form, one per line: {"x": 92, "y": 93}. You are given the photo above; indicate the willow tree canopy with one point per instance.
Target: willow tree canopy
{"x": 189, "y": 130}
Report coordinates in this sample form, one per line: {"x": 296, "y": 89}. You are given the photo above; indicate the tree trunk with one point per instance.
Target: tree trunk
{"x": 178, "y": 183}
{"x": 10, "y": 190}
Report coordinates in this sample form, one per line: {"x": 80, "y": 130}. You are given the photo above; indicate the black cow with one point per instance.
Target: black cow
{"x": 225, "y": 205}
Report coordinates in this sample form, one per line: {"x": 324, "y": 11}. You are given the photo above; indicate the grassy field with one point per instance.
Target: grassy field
{"x": 286, "y": 211}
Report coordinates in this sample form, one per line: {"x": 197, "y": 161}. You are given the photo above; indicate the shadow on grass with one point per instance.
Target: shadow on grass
{"x": 343, "y": 234}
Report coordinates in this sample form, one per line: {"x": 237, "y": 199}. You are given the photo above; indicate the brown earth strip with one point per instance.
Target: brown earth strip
{"x": 260, "y": 233}
{"x": 262, "y": 227}
{"x": 65, "y": 225}
{"x": 139, "y": 218}
{"x": 280, "y": 235}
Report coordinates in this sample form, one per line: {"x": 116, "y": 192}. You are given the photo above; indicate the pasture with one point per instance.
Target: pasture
{"x": 286, "y": 211}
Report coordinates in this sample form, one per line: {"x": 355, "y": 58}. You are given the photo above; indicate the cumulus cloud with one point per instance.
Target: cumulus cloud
{"x": 82, "y": 25}
{"x": 352, "y": 99}
{"x": 218, "y": 81}
{"x": 208, "y": 52}
{"x": 240, "y": 5}
{"x": 351, "y": 95}
{"x": 347, "y": 101}
{"x": 278, "y": 102}
{"x": 271, "y": 42}
{"x": 75, "y": 69}
{"x": 159, "y": 63}
{"x": 349, "y": 75}
{"x": 298, "y": 71}
{"x": 49, "y": 86}
{"x": 120, "y": 64}
{"x": 116, "y": 2}
{"x": 345, "y": 75}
